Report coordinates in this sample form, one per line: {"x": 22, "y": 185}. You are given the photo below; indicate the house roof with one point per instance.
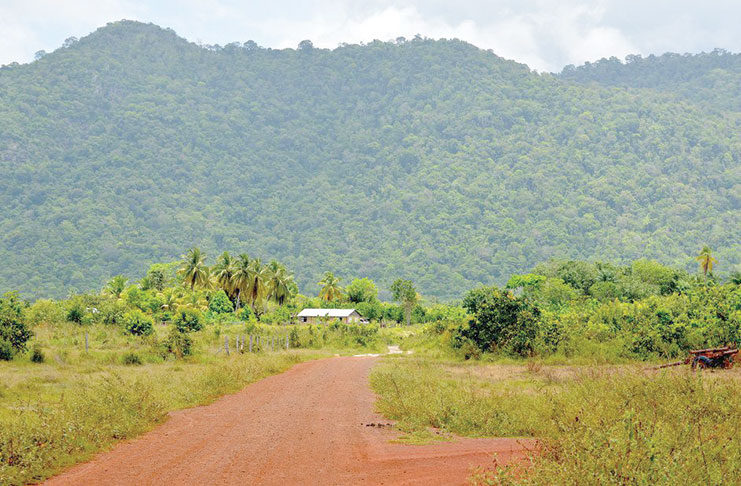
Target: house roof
{"x": 326, "y": 312}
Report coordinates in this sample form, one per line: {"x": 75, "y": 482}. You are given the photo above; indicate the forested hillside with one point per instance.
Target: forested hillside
{"x": 429, "y": 160}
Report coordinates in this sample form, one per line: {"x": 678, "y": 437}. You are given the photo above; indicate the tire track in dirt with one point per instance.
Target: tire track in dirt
{"x": 304, "y": 426}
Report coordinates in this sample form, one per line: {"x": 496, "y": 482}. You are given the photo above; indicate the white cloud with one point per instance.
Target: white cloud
{"x": 544, "y": 34}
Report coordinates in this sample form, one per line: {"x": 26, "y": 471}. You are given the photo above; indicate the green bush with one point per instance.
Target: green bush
{"x": 37, "y": 355}
{"x": 178, "y": 344}
{"x": 220, "y": 303}
{"x": 6, "y": 350}
{"x": 131, "y": 359}
{"x": 501, "y": 320}
{"x": 138, "y": 323}
{"x": 188, "y": 320}
{"x": 75, "y": 314}
{"x": 13, "y": 328}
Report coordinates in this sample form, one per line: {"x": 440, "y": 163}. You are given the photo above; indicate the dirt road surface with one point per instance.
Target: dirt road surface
{"x": 305, "y": 426}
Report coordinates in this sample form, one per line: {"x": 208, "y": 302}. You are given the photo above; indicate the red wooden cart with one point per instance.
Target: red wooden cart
{"x": 708, "y": 358}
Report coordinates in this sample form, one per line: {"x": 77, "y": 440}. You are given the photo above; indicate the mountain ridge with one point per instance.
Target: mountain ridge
{"x": 132, "y": 144}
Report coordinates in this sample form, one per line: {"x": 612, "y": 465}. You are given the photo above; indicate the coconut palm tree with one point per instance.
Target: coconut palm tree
{"x": 223, "y": 273}
{"x": 257, "y": 285}
{"x": 280, "y": 283}
{"x": 241, "y": 278}
{"x": 331, "y": 290}
{"x": 170, "y": 299}
{"x": 116, "y": 286}
{"x": 193, "y": 269}
{"x": 706, "y": 261}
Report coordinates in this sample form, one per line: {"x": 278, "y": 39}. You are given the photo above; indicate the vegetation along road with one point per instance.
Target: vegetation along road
{"x": 314, "y": 424}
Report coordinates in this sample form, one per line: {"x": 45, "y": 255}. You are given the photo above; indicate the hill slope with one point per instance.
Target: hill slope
{"x": 431, "y": 160}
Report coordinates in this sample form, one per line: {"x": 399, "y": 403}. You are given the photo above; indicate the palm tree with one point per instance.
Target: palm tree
{"x": 116, "y": 286}
{"x": 241, "y": 278}
{"x": 170, "y": 299}
{"x": 280, "y": 283}
{"x": 194, "y": 270}
{"x": 223, "y": 273}
{"x": 735, "y": 277}
{"x": 257, "y": 285}
{"x": 331, "y": 289}
{"x": 706, "y": 261}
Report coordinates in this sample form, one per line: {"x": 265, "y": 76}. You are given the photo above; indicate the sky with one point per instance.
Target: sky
{"x": 546, "y": 35}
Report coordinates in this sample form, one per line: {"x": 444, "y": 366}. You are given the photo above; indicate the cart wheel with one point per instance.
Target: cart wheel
{"x": 701, "y": 362}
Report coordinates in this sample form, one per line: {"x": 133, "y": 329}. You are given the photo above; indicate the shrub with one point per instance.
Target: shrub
{"x": 188, "y": 320}
{"x": 37, "y": 356}
{"x": 75, "y": 314}
{"x": 6, "y": 350}
{"x": 246, "y": 313}
{"x": 131, "y": 359}
{"x": 13, "y": 328}
{"x": 138, "y": 324}
{"x": 178, "y": 343}
{"x": 501, "y": 320}
{"x": 46, "y": 312}
{"x": 220, "y": 303}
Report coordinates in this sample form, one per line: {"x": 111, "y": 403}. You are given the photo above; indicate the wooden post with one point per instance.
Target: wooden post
{"x": 86, "y": 345}
{"x": 250, "y": 343}
{"x": 236, "y": 344}
{"x": 226, "y": 345}
{"x": 286, "y": 341}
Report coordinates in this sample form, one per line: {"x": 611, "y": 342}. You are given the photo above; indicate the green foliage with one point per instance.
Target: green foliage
{"x": 362, "y": 290}
{"x": 131, "y": 358}
{"x": 219, "y": 303}
{"x": 37, "y": 355}
{"x": 434, "y": 157}
{"x": 188, "y": 320}
{"x": 7, "y": 351}
{"x": 76, "y": 313}
{"x": 405, "y": 293}
{"x": 178, "y": 343}
{"x": 138, "y": 324}
{"x": 13, "y": 328}
{"x": 501, "y": 320}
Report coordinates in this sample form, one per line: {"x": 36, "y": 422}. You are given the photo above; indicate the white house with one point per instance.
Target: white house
{"x": 314, "y": 316}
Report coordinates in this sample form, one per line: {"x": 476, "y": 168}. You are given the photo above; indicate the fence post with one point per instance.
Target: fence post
{"x": 86, "y": 345}
{"x": 226, "y": 345}
{"x": 286, "y": 341}
{"x": 250, "y": 343}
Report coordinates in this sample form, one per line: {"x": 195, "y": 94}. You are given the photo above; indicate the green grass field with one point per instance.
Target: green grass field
{"x": 618, "y": 424}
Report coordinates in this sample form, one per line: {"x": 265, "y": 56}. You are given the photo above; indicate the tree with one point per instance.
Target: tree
{"x": 193, "y": 269}
{"x": 116, "y": 286}
{"x": 362, "y": 290}
{"x": 14, "y": 332}
{"x": 242, "y": 274}
{"x": 280, "y": 283}
{"x": 219, "y": 303}
{"x": 500, "y": 320}
{"x": 735, "y": 277}
{"x": 706, "y": 260}
{"x": 404, "y": 292}
{"x": 256, "y": 289}
{"x": 223, "y": 273}
{"x": 330, "y": 288}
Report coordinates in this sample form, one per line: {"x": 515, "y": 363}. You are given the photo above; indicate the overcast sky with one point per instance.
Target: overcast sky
{"x": 546, "y": 35}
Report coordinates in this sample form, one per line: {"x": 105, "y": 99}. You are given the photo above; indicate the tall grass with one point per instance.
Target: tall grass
{"x": 598, "y": 426}
{"x": 53, "y": 415}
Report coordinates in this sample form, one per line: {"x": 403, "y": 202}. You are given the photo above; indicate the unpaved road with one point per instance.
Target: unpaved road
{"x": 305, "y": 426}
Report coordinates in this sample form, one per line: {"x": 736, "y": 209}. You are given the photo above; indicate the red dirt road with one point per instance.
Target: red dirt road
{"x": 305, "y": 426}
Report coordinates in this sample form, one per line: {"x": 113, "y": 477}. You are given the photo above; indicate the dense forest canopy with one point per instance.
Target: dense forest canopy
{"x": 428, "y": 160}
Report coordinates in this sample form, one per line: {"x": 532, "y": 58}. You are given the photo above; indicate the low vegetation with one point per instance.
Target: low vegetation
{"x": 597, "y": 425}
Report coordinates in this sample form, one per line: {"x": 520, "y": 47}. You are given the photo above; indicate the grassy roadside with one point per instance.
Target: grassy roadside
{"x": 599, "y": 425}
{"x": 59, "y": 412}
